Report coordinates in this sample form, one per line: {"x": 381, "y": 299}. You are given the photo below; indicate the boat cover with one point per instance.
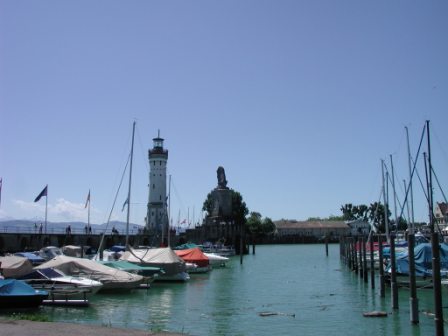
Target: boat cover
{"x": 35, "y": 259}
{"x": 12, "y": 287}
{"x": 423, "y": 260}
{"x": 165, "y": 258}
{"x": 90, "y": 269}
{"x": 194, "y": 255}
{"x": 132, "y": 268}
{"x": 15, "y": 266}
{"x": 186, "y": 246}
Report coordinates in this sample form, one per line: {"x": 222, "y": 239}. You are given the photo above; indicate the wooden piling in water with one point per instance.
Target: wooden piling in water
{"x": 381, "y": 261}
{"x": 393, "y": 277}
{"x": 372, "y": 264}
{"x": 413, "y": 300}
{"x": 326, "y": 245}
{"x": 364, "y": 257}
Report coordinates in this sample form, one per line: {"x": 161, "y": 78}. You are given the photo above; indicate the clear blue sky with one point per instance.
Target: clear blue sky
{"x": 297, "y": 100}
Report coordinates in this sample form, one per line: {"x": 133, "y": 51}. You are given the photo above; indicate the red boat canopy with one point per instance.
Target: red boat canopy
{"x": 193, "y": 255}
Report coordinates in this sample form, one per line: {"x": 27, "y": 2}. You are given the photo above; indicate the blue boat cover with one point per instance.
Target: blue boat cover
{"x": 12, "y": 287}
{"x": 423, "y": 260}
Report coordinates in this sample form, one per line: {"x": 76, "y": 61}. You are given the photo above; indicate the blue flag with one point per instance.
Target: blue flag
{"x": 42, "y": 193}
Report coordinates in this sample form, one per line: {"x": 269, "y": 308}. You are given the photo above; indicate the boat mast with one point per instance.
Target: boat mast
{"x": 411, "y": 218}
{"x": 386, "y": 223}
{"x": 395, "y": 195}
{"x": 129, "y": 189}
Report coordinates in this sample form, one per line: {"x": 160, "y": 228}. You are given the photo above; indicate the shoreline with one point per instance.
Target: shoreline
{"x": 13, "y": 327}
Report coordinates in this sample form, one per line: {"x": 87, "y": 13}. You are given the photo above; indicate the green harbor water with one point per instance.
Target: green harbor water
{"x": 311, "y": 294}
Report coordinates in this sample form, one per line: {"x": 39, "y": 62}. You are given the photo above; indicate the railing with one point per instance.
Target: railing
{"x": 52, "y": 230}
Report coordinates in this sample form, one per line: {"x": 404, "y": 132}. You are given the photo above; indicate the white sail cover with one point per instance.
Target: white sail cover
{"x": 86, "y": 268}
{"x": 165, "y": 258}
{"x": 14, "y": 266}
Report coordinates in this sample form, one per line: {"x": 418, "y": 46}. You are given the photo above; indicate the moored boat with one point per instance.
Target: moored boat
{"x": 197, "y": 257}
{"x": 111, "y": 278}
{"x": 165, "y": 258}
{"x": 18, "y": 294}
{"x": 61, "y": 286}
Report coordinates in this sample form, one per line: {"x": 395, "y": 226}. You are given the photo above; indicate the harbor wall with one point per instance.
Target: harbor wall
{"x": 20, "y": 242}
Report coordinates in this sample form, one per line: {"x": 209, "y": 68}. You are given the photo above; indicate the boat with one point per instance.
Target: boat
{"x": 149, "y": 273}
{"x": 79, "y": 251}
{"x": 50, "y": 252}
{"x": 34, "y": 258}
{"x": 423, "y": 266}
{"x": 197, "y": 257}
{"x": 216, "y": 260}
{"x": 61, "y": 286}
{"x": 219, "y": 249}
{"x": 15, "y": 266}
{"x": 18, "y": 294}
{"x": 165, "y": 258}
{"x": 111, "y": 278}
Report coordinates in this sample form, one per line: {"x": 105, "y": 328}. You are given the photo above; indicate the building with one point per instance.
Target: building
{"x": 311, "y": 229}
{"x": 157, "y": 215}
{"x": 359, "y": 227}
{"x": 441, "y": 213}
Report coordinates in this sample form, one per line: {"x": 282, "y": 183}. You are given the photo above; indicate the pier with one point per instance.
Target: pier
{"x": 19, "y": 242}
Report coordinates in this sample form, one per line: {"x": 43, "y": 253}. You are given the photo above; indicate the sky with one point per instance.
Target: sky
{"x": 299, "y": 101}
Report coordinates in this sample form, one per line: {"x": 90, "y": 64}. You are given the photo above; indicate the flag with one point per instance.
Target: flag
{"x": 42, "y": 193}
{"x": 88, "y": 200}
{"x": 125, "y": 202}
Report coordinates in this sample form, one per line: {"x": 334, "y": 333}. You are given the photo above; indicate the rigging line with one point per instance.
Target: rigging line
{"x": 413, "y": 170}
{"x": 437, "y": 180}
{"x": 442, "y": 147}
{"x": 115, "y": 200}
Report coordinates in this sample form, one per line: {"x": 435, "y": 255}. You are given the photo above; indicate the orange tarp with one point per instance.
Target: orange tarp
{"x": 194, "y": 255}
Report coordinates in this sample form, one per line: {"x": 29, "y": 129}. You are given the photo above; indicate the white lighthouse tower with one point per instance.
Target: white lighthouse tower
{"x": 157, "y": 216}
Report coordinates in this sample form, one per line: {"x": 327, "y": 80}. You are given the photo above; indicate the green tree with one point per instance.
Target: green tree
{"x": 376, "y": 215}
{"x": 348, "y": 212}
{"x": 267, "y": 226}
{"x": 239, "y": 208}
{"x": 254, "y": 224}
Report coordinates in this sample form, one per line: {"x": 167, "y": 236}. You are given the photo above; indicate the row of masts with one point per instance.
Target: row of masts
{"x": 434, "y": 235}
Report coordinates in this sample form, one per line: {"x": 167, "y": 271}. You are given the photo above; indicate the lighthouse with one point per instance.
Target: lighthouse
{"x": 157, "y": 216}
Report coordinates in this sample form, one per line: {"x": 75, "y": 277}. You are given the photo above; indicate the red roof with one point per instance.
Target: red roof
{"x": 193, "y": 255}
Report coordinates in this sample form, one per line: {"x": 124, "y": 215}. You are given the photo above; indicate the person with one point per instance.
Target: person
{"x": 35, "y": 227}
{"x": 90, "y": 230}
{"x": 40, "y": 228}
{"x": 69, "y": 230}
{"x": 85, "y": 229}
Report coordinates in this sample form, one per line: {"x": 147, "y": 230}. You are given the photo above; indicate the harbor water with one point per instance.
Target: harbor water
{"x": 281, "y": 290}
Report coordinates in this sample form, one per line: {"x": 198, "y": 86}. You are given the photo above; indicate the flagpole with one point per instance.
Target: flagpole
{"x": 46, "y": 208}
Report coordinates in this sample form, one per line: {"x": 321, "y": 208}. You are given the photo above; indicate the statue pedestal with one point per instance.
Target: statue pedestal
{"x": 222, "y": 203}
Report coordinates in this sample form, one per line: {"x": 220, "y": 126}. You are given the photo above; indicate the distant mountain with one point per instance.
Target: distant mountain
{"x": 23, "y": 225}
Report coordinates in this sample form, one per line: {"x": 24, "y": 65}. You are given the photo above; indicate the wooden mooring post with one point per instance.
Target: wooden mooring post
{"x": 364, "y": 257}
{"x": 413, "y": 300}
{"x": 372, "y": 264}
{"x": 393, "y": 277}
{"x": 381, "y": 261}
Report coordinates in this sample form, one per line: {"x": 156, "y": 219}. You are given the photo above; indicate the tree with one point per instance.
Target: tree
{"x": 254, "y": 224}
{"x": 267, "y": 226}
{"x": 376, "y": 215}
{"x": 239, "y": 208}
{"x": 347, "y": 212}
